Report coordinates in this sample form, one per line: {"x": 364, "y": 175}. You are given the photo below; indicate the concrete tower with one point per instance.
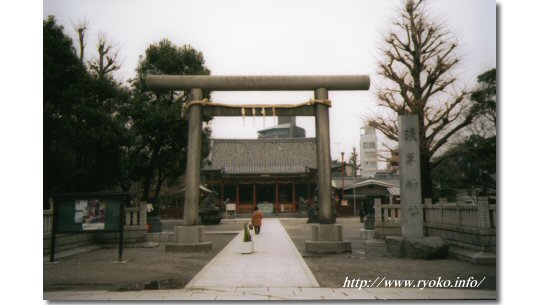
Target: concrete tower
{"x": 368, "y": 152}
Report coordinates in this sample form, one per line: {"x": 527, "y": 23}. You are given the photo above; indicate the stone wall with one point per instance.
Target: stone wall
{"x": 468, "y": 225}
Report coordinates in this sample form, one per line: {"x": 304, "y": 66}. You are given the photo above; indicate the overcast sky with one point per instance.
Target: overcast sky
{"x": 280, "y": 38}
{"x": 22, "y": 116}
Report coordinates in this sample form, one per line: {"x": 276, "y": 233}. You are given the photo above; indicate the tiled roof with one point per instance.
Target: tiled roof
{"x": 262, "y": 156}
{"x": 394, "y": 191}
{"x": 359, "y": 182}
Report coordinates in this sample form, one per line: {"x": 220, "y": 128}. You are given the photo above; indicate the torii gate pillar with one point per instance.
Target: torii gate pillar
{"x": 327, "y": 237}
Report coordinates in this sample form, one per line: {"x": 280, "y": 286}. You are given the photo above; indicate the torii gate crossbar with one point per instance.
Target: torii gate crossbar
{"x": 197, "y": 83}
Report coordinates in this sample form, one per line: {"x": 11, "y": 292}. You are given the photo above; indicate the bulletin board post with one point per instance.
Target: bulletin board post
{"x": 122, "y": 223}
{"x": 79, "y": 213}
{"x": 53, "y": 233}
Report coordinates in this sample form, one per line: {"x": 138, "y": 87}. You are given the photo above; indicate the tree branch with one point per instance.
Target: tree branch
{"x": 468, "y": 120}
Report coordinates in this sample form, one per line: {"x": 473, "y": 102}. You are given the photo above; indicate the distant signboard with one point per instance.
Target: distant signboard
{"x": 266, "y": 208}
{"x": 86, "y": 213}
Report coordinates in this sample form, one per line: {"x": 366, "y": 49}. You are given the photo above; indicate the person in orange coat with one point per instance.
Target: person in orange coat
{"x": 257, "y": 220}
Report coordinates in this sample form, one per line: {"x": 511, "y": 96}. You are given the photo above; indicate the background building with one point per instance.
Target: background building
{"x": 360, "y": 192}
{"x": 286, "y": 128}
{"x": 368, "y": 152}
{"x": 394, "y": 162}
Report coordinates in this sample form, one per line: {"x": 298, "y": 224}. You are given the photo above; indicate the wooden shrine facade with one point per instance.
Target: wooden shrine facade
{"x": 280, "y": 193}
{"x": 278, "y": 174}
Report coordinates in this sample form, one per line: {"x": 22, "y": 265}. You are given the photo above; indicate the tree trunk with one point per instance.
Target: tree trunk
{"x": 160, "y": 181}
{"x": 147, "y": 184}
{"x": 148, "y": 179}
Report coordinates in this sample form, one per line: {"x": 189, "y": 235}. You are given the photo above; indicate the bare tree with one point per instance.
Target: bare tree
{"x": 81, "y": 27}
{"x": 107, "y": 58}
{"x": 417, "y": 59}
{"x": 354, "y": 160}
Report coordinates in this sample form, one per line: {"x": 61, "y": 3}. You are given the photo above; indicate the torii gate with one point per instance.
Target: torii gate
{"x": 318, "y": 107}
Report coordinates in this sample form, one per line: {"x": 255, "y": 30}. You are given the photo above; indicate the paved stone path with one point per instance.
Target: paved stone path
{"x": 275, "y": 262}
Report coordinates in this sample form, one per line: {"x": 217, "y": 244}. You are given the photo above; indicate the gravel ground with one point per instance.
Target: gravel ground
{"x": 148, "y": 266}
{"x": 368, "y": 263}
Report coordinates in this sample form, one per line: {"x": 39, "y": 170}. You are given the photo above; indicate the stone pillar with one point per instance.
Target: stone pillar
{"x": 377, "y": 209}
{"x": 368, "y": 233}
{"x": 142, "y": 205}
{"x": 189, "y": 239}
{"x": 190, "y": 236}
{"x": 194, "y": 152}
{"x": 327, "y": 237}
{"x": 483, "y": 220}
{"x": 323, "y": 154}
{"x": 410, "y": 184}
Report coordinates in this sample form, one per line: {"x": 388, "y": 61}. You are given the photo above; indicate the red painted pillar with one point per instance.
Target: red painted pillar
{"x": 237, "y": 197}
{"x": 277, "y": 205}
{"x": 254, "y": 199}
{"x": 221, "y": 190}
{"x": 293, "y": 195}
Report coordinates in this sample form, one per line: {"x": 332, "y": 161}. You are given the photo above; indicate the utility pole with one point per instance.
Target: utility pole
{"x": 342, "y": 195}
{"x": 354, "y": 176}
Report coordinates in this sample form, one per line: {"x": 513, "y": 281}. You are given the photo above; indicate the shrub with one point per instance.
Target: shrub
{"x": 246, "y": 233}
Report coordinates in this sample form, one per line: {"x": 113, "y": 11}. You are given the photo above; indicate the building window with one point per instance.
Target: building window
{"x": 370, "y": 155}
{"x": 265, "y": 192}
{"x": 313, "y": 190}
{"x": 284, "y": 193}
{"x": 369, "y": 145}
{"x": 301, "y": 191}
{"x": 230, "y": 193}
{"x": 246, "y": 193}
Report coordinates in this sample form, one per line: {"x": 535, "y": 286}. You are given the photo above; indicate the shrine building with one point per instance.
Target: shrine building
{"x": 278, "y": 173}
